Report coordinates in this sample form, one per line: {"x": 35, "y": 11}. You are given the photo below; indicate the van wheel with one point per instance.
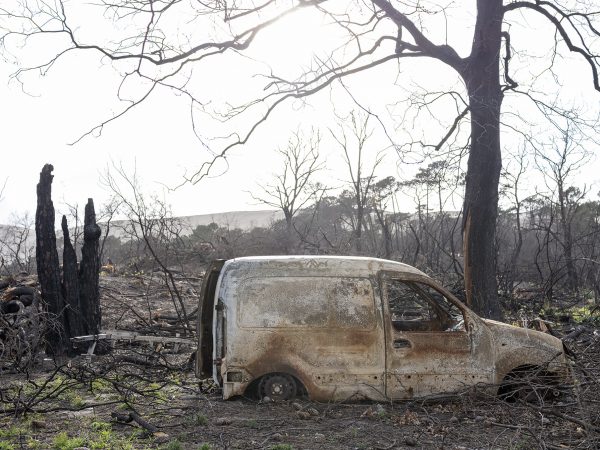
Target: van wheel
{"x": 530, "y": 385}
{"x": 277, "y": 386}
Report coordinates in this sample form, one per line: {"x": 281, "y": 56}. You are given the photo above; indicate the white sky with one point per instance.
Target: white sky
{"x": 79, "y": 91}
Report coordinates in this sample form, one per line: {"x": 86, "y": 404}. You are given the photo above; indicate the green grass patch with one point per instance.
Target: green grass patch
{"x": 173, "y": 445}
{"x": 62, "y": 441}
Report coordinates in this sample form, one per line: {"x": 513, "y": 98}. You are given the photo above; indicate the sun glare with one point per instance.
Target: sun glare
{"x": 296, "y": 39}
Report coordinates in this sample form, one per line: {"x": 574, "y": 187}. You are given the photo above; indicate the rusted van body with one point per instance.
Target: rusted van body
{"x": 342, "y": 328}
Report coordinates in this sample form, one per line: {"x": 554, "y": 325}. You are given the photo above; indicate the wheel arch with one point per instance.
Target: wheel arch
{"x": 521, "y": 372}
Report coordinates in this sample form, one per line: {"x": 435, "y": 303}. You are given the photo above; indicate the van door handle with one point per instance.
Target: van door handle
{"x": 402, "y": 343}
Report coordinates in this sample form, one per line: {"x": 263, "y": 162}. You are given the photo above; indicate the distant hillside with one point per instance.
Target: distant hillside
{"x": 245, "y": 220}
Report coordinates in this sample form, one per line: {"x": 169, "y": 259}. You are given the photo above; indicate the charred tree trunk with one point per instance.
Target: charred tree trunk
{"x": 89, "y": 292}
{"x": 70, "y": 284}
{"x": 289, "y": 231}
{"x": 74, "y": 304}
{"x": 57, "y": 337}
{"x": 482, "y": 77}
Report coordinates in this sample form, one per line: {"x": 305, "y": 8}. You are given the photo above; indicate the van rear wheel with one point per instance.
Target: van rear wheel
{"x": 277, "y": 386}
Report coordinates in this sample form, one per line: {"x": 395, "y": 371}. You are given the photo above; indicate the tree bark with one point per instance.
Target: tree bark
{"x": 482, "y": 77}
{"x": 57, "y": 337}
{"x": 89, "y": 291}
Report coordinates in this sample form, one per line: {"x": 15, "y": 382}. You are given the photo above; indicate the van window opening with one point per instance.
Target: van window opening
{"x": 416, "y": 306}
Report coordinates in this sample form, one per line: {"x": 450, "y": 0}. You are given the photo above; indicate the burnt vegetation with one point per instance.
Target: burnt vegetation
{"x": 143, "y": 393}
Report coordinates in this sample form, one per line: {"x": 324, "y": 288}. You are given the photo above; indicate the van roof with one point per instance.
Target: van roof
{"x": 360, "y": 265}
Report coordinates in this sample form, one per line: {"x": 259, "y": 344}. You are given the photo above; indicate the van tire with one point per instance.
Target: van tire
{"x": 277, "y": 386}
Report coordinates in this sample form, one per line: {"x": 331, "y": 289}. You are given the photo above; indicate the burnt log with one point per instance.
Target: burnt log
{"x": 89, "y": 270}
{"x": 57, "y": 338}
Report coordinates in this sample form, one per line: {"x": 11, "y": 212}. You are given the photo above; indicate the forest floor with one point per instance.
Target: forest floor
{"x": 144, "y": 396}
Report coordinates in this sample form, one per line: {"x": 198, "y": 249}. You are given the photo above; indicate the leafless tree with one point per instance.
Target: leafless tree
{"x": 559, "y": 164}
{"x": 74, "y": 217}
{"x": 292, "y": 188}
{"x": 352, "y": 139}
{"x": 513, "y": 178}
{"x": 151, "y": 225}
{"x": 108, "y": 212}
{"x": 17, "y": 247}
{"x": 152, "y": 46}
{"x": 434, "y": 230}
{"x": 383, "y": 192}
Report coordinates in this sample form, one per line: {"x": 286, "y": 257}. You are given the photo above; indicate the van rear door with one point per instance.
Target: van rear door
{"x": 206, "y": 308}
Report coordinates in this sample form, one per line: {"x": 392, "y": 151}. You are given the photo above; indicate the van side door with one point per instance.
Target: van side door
{"x": 433, "y": 343}
{"x": 324, "y": 329}
{"x": 204, "y": 324}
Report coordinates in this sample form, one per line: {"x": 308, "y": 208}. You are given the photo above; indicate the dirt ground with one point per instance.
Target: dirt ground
{"x": 144, "y": 396}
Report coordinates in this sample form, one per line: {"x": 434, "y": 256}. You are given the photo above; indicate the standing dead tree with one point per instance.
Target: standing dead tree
{"x": 291, "y": 190}
{"x": 89, "y": 291}
{"x": 74, "y": 302}
{"x": 16, "y": 245}
{"x": 359, "y": 192}
{"x": 559, "y": 165}
{"x": 151, "y": 226}
{"x": 48, "y": 266}
{"x": 384, "y": 191}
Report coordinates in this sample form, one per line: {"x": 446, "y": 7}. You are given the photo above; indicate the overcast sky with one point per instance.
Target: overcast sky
{"x": 40, "y": 119}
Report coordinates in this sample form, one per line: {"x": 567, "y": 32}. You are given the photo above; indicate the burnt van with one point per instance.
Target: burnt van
{"x": 343, "y": 328}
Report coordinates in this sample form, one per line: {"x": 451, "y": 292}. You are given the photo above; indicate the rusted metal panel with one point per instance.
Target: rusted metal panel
{"x": 327, "y": 321}
{"x": 317, "y": 319}
{"x": 514, "y": 347}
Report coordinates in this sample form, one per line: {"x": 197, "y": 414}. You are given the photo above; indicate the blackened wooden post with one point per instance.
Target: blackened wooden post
{"x": 57, "y": 337}
{"x": 71, "y": 284}
{"x": 89, "y": 270}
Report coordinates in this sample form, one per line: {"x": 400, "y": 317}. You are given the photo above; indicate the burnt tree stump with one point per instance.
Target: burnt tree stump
{"x": 46, "y": 255}
{"x": 74, "y": 304}
{"x": 89, "y": 290}
{"x": 70, "y": 283}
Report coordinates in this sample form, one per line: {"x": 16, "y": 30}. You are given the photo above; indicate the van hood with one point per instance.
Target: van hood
{"x": 505, "y": 333}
